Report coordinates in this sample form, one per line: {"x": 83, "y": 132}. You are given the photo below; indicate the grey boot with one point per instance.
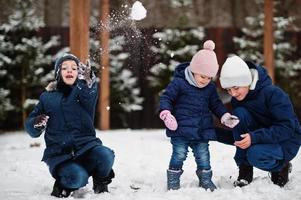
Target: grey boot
{"x": 205, "y": 179}
{"x": 173, "y": 179}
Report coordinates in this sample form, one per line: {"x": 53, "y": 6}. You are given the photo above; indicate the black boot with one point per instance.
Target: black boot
{"x": 100, "y": 184}
{"x": 59, "y": 191}
{"x": 99, "y": 187}
{"x": 281, "y": 178}
{"x": 245, "y": 176}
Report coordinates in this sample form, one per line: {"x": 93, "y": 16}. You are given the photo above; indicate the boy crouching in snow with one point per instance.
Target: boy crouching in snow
{"x": 66, "y": 113}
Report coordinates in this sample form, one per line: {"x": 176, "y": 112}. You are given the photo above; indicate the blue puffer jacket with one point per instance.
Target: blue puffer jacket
{"x": 191, "y": 107}
{"x": 272, "y": 109}
{"x": 70, "y": 131}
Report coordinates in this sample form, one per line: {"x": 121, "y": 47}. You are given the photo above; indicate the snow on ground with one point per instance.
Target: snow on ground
{"x": 142, "y": 158}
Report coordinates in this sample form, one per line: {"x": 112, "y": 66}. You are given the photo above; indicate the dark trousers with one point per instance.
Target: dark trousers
{"x": 268, "y": 157}
{"x": 74, "y": 174}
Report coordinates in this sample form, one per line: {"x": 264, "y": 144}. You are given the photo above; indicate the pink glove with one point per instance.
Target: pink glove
{"x": 169, "y": 120}
{"x": 229, "y": 120}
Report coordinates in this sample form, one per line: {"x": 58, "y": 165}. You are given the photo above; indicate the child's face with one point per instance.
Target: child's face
{"x": 69, "y": 72}
{"x": 238, "y": 93}
{"x": 201, "y": 79}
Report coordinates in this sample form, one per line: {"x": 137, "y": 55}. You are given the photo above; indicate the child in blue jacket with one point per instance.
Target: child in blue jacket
{"x": 65, "y": 113}
{"x": 186, "y": 108}
{"x": 268, "y": 135}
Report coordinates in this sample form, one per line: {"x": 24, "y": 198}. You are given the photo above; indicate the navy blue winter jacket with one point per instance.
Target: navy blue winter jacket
{"x": 70, "y": 131}
{"x": 192, "y": 107}
{"x": 272, "y": 109}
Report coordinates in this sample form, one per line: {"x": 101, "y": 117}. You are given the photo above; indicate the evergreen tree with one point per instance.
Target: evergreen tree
{"x": 174, "y": 46}
{"x": 124, "y": 91}
{"x": 250, "y": 47}
{"x": 23, "y": 60}
{"x": 180, "y": 3}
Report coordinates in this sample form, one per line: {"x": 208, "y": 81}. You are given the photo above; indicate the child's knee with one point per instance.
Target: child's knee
{"x": 241, "y": 113}
{"x": 104, "y": 155}
{"x": 245, "y": 119}
{"x": 179, "y": 154}
{"x": 102, "y": 162}
{"x": 73, "y": 176}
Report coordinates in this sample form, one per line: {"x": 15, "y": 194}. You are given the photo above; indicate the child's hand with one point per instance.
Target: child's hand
{"x": 245, "y": 142}
{"x": 40, "y": 121}
{"x": 169, "y": 120}
{"x": 229, "y": 120}
{"x": 84, "y": 72}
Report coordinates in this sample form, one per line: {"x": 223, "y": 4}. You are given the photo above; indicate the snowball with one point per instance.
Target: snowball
{"x": 138, "y": 12}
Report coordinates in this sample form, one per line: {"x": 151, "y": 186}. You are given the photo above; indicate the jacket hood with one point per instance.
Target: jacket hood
{"x": 180, "y": 70}
{"x": 51, "y": 86}
{"x": 263, "y": 78}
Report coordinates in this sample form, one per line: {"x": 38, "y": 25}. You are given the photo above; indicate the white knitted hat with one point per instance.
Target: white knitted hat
{"x": 235, "y": 72}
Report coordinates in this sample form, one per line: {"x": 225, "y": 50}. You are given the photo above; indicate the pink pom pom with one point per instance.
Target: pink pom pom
{"x": 209, "y": 45}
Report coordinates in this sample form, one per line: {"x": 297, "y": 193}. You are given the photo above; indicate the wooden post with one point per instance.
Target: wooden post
{"x": 268, "y": 39}
{"x": 104, "y": 100}
{"x": 79, "y": 28}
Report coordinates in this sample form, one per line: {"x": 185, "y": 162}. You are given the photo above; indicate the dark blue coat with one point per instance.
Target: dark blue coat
{"x": 272, "y": 109}
{"x": 191, "y": 107}
{"x": 70, "y": 131}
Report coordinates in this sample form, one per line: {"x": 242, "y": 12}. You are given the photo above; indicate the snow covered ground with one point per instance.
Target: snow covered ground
{"x": 142, "y": 157}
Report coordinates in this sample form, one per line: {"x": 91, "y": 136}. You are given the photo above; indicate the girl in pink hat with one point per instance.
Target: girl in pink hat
{"x": 186, "y": 107}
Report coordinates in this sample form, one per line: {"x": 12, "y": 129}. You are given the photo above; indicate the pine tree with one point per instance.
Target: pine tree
{"x": 23, "y": 59}
{"x": 174, "y": 46}
{"x": 124, "y": 91}
{"x": 250, "y": 47}
{"x": 180, "y": 3}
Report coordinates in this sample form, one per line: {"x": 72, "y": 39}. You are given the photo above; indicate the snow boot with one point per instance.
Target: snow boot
{"x": 173, "y": 179}
{"x": 281, "y": 178}
{"x": 100, "y": 184}
{"x": 205, "y": 177}
{"x": 59, "y": 191}
{"x": 100, "y": 187}
{"x": 245, "y": 176}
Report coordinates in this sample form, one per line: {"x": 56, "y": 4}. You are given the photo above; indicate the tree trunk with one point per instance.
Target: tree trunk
{"x": 268, "y": 39}
{"x": 79, "y": 28}
{"x": 104, "y": 100}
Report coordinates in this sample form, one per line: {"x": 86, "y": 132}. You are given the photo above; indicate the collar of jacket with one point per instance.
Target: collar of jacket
{"x": 255, "y": 78}
{"x": 51, "y": 86}
{"x": 190, "y": 78}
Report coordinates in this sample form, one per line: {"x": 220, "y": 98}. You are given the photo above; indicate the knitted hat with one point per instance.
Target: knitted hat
{"x": 235, "y": 72}
{"x": 59, "y": 61}
{"x": 204, "y": 61}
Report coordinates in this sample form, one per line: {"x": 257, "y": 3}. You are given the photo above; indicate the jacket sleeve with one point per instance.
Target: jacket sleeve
{"x": 216, "y": 105}
{"x": 169, "y": 96}
{"x": 29, "y": 123}
{"x": 283, "y": 120}
{"x": 87, "y": 95}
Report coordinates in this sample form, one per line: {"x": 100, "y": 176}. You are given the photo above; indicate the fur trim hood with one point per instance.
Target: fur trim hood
{"x": 51, "y": 86}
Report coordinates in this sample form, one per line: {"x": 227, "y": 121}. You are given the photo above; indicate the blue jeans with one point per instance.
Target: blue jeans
{"x": 268, "y": 157}
{"x": 74, "y": 174}
{"x": 180, "y": 149}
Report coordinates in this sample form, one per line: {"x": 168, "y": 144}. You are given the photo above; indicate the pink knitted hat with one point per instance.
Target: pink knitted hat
{"x": 204, "y": 61}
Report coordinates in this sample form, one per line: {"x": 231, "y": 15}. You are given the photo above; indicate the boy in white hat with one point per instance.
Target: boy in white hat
{"x": 268, "y": 135}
